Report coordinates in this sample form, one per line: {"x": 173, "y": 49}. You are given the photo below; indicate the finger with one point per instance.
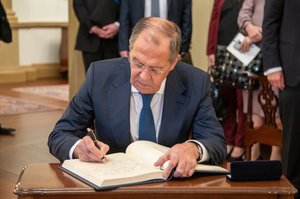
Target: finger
{"x": 161, "y": 160}
{"x": 104, "y": 148}
{"x": 183, "y": 168}
{"x": 93, "y": 152}
{"x": 242, "y": 49}
{"x": 273, "y": 83}
{"x": 259, "y": 29}
{"x": 166, "y": 164}
{"x": 191, "y": 172}
{"x": 280, "y": 85}
{"x": 168, "y": 171}
{"x": 179, "y": 172}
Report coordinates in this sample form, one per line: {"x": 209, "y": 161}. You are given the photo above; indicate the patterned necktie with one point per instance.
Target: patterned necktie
{"x": 155, "y": 8}
{"x": 147, "y": 128}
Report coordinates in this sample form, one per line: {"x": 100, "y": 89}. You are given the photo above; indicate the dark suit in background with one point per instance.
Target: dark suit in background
{"x": 179, "y": 11}
{"x": 95, "y": 13}
{"x": 280, "y": 48}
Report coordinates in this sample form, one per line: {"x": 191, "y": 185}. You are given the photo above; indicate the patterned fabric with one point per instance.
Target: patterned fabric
{"x": 229, "y": 70}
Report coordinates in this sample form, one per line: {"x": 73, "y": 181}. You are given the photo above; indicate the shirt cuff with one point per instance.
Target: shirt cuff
{"x": 205, "y": 155}
{"x": 72, "y": 149}
{"x": 272, "y": 70}
{"x": 117, "y": 23}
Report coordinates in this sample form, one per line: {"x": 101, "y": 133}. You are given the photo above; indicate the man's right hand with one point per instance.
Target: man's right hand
{"x": 276, "y": 79}
{"x": 87, "y": 151}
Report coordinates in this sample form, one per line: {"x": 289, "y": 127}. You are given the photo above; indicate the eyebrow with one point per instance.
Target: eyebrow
{"x": 137, "y": 60}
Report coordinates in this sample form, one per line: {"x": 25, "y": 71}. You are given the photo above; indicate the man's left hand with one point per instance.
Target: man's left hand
{"x": 183, "y": 157}
{"x": 110, "y": 30}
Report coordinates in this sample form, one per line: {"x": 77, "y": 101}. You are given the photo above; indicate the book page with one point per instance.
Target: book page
{"x": 204, "y": 168}
{"x": 145, "y": 151}
{"x": 149, "y": 152}
{"x": 234, "y": 49}
{"x": 117, "y": 166}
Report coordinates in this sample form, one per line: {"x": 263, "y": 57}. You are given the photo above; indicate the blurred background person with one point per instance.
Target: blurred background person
{"x": 98, "y": 28}
{"x": 178, "y": 11}
{"x": 250, "y": 23}
{"x": 280, "y": 50}
{"x": 222, "y": 29}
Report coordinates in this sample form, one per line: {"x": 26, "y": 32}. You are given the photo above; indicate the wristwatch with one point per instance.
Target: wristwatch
{"x": 200, "y": 150}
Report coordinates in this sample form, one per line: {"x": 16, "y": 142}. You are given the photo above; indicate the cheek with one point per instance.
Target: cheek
{"x": 156, "y": 83}
{"x": 134, "y": 77}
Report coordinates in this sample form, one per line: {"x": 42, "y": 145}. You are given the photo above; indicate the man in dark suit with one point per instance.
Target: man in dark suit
{"x": 178, "y": 11}
{"x": 280, "y": 48}
{"x": 112, "y": 96}
{"x": 98, "y": 28}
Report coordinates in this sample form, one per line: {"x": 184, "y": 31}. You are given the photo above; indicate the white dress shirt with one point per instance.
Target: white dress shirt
{"x": 163, "y": 8}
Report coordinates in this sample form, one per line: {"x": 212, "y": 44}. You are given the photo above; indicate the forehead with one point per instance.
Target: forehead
{"x": 154, "y": 37}
{"x": 152, "y": 45}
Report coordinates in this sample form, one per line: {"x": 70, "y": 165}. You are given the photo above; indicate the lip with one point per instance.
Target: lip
{"x": 143, "y": 86}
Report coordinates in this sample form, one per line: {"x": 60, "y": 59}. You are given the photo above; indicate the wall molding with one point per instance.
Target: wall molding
{"x": 28, "y": 25}
{"x": 19, "y": 74}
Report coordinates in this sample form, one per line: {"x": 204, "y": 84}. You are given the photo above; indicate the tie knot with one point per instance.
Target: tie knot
{"x": 147, "y": 99}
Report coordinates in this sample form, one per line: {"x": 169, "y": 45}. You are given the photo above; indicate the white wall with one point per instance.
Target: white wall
{"x": 39, "y": 46}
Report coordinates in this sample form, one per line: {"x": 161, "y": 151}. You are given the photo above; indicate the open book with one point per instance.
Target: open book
{"x": 136, "y": 166}
{"x": 234, "y": 49}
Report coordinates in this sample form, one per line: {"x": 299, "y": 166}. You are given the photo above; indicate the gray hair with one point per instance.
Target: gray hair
{"x": 150, "y": 26}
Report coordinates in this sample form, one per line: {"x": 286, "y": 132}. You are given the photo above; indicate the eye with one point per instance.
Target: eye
{"x": 154, "y": 70}
{"x": 139, "y": 66}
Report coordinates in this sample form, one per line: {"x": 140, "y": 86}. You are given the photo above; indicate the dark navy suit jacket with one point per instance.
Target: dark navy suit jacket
{"x": 105, "y": 97}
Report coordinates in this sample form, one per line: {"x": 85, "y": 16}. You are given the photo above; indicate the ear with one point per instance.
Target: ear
{"x": 177, "y": 58}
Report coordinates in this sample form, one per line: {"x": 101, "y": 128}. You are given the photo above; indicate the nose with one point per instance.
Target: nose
{"x": 145, "y": 74}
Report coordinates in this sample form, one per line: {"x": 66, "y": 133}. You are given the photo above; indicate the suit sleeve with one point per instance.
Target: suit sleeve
{"x": 82, "y": 13}
{"x": 206, "y": 128}
{"x": 245, "y": 14}
{"x": 73, "y": 123}
{"x": 125, "y": 26}
{"x": 186, "y": 26}
{"x": 271, "y": 31}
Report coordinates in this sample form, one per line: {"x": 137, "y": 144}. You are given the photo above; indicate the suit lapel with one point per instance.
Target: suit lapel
{"x": 118, "y": 102}
{"x": 174, "y": 109}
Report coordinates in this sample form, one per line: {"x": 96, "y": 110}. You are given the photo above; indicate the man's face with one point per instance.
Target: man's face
{"x": 149, "y": 64}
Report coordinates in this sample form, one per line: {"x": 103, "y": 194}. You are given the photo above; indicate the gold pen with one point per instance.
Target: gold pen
{"x": 93, "y": 136}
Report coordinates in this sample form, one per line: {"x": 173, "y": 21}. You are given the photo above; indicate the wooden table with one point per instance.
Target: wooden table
{"x": 48, "y": 181}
